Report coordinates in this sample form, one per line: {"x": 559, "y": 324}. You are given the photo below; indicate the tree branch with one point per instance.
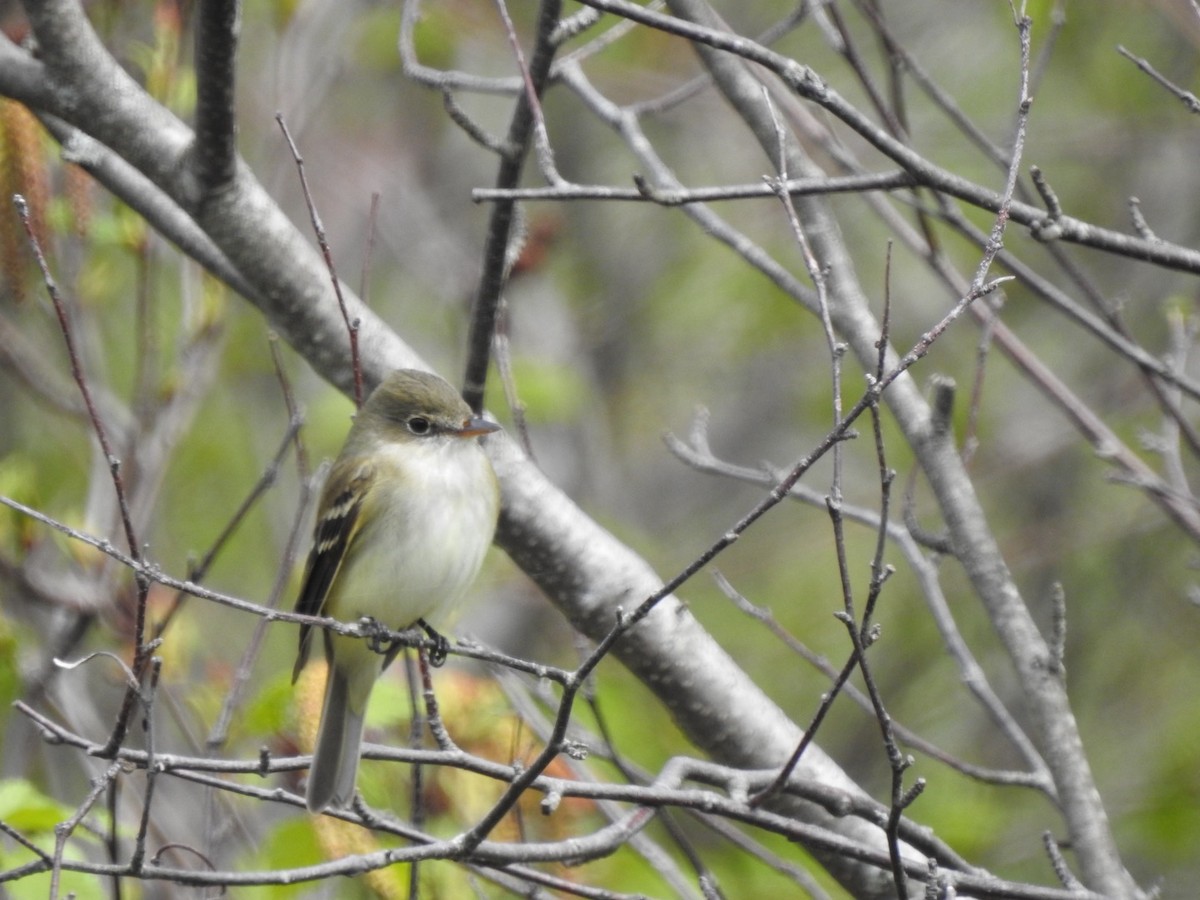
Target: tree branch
{"x": 214, "y": 153}
{"x": 975, "y": 546}
{"x": 496, "y": 249}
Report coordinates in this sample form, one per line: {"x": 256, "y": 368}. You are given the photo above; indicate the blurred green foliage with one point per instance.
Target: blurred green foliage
{"x": 635, "y": 319}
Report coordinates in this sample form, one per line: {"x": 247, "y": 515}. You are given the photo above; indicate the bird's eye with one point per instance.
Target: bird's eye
{"x": 419, "y": 425}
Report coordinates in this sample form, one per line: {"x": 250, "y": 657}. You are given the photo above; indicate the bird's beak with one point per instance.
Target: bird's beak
{"x": 476, "y": 426}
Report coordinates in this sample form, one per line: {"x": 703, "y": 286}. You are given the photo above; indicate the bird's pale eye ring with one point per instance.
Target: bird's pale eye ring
{"x": 419, "y": 425}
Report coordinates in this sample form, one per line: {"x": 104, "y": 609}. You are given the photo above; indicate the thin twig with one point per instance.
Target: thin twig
{"x": 198, "y": 571}
{"x": 647, "y": 193}
{"x": 501, "y": 225}
{"x": 1187, "y": 98}
{"x": 806, "y": 83}
{"x": 64, "y": 322}
{"x": 138, "y": 856}
{"x": 141, "y": 651}
{"x": 319, "y": 230}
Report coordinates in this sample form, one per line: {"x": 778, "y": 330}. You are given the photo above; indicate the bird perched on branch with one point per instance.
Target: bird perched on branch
{"x": 404, "y": 520}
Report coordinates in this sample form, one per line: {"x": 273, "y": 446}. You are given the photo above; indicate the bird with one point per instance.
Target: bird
{"x": 405, "y": 518}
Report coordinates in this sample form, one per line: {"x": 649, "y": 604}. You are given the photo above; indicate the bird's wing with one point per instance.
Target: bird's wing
{"x": 342, "y": 501}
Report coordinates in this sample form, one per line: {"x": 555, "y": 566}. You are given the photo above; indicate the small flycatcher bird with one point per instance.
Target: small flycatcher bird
{"x": 405, "y": 518}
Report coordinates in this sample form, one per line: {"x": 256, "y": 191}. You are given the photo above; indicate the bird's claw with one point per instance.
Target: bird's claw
{"x": 441, "y": 647}
{"x": 377, "y": 635}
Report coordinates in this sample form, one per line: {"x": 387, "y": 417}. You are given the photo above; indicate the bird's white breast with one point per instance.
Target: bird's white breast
{"x": 432, "y": 525}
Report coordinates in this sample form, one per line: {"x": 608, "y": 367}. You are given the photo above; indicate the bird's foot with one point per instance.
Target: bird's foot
{"x": 441, "y": 646}
{"x": 378, "y": 636}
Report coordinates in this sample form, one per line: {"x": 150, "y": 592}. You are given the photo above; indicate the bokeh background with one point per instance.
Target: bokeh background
{"x": 625, "y": 321}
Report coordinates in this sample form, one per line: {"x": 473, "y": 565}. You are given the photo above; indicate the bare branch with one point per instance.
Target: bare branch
{"x": 807, "y": 84}
{"x": 1187, "y": 98}
{"x": 497, "y": 252}
{"x": 214, "y": 153}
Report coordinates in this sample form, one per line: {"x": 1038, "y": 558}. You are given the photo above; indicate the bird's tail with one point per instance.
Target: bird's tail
{"x": 331, "y": 780}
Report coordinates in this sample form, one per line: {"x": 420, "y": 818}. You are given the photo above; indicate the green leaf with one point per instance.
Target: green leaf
{"x": 291, "y": 845}
{"x": 27, "y": 809}
{"x": 24, "y": 808}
